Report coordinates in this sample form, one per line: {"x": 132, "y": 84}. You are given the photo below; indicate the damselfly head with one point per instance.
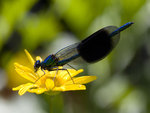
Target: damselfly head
{"x": 37, "y": 65}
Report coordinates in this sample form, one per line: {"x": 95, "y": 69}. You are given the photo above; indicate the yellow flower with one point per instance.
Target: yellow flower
{"x": 52, "y": 81}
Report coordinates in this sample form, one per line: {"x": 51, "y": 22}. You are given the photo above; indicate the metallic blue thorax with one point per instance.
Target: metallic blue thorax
{"x": 50, "y": 61}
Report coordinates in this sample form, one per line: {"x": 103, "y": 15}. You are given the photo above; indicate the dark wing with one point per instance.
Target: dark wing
{"x": 99, "y": 44}
{"x": 67, "y": 54}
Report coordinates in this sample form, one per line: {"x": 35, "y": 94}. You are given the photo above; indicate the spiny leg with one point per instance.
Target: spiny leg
{"x": 40, "y": 76}
{"x": 55, "y": 73}
{"x": 62, "y": 69}
{"x": 69, "y": 75}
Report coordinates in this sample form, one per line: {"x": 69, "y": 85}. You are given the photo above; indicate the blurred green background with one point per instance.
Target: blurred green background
{"x": 45, "y": 26}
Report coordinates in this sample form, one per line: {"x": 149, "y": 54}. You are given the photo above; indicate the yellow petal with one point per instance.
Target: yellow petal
{"x": 25, "y": 72}
{"x": 82, "y": 80}
{"x": 39, "y": 58}
{"x": 26, "y": 75}
{"x": 32, "y": 61}
{"x": 41, "y": 72}
{"x": 65, "y": 75}
{"x": 20, "y": 86}
{"x": 17, "y": 88}
{"x": 25, "y": 88}
{"x": 70, "y": 87}
{"x": 53, "y": 73}
{"x": 49, "y": 84}
{"x": 24, "y": 68}
{"x": 37, "y": 90}
{"x": 74, "y": 72}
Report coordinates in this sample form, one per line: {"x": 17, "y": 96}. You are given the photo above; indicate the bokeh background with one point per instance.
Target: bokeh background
{"x": 45, "y": 26}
